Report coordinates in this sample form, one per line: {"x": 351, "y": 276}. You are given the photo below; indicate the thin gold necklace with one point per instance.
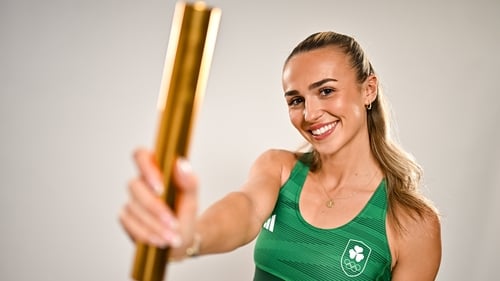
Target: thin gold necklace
{"x": 330, "y": 202}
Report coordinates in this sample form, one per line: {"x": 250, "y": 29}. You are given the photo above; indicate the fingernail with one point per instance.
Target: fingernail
{"x": 156, "y": 185}
{"x": 176, "y": 241}
{"x": 158, "y": 188}
{"x": 184, "y": 166}
{"x": 173, "y": 239}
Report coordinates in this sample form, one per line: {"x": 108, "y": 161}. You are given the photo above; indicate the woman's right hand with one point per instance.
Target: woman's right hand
{"x": 145, "y": 216}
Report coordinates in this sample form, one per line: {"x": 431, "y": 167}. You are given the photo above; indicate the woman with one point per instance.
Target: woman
{"x": 349, "y": 208}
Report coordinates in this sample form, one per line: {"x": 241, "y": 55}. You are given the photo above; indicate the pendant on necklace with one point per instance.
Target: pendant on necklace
{"x": 329, "y": 203}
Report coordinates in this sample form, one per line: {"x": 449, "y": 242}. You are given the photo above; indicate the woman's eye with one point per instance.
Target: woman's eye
{"x": 295, "y": 101}
{"x": 326, "y": 91}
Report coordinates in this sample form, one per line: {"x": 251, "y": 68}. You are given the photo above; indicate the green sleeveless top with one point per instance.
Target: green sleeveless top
{"x": 289, "y": 248}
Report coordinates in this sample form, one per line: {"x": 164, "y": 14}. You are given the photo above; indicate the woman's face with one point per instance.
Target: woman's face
{"x": 326, "y": 104}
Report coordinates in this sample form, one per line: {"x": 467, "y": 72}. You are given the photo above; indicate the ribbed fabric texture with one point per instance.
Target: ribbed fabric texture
{"x": 288, "y": 248}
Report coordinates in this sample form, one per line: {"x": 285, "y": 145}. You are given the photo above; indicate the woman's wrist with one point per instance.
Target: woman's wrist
{"x": 194, "y": 249}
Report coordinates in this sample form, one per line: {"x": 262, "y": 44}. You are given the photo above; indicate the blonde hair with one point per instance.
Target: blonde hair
{"x": 403, "y": 174}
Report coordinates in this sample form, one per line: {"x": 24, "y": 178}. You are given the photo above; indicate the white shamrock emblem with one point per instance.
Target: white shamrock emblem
{"x": 356, "y": 253}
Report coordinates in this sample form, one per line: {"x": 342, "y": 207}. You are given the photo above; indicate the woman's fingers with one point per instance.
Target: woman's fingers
{"x": 147, "y": 218}
{"x": 153, "y": 214}
{"x": 151, "y": 205}
{"x": 148, "y": 169}
{"x": 136, "y": 229}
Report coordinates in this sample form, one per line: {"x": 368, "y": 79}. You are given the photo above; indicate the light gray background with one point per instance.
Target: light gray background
{"x": 78, "y": 87}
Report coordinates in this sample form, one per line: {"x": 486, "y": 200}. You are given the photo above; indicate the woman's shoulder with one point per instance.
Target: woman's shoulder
{"x": 424, "y": 220}
{"x": 427, "y": 223}
{"x": 282, "y": 159}
{"x": 421, "y": 217}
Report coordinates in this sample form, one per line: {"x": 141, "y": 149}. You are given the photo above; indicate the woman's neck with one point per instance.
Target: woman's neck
{"x": 349, "y": 167}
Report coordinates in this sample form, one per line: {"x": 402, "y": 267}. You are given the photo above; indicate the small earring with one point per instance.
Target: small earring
{"x": 369, "y": 106}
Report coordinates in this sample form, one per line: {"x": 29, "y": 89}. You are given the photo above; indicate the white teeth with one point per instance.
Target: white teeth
{"x": 323, "y": 129}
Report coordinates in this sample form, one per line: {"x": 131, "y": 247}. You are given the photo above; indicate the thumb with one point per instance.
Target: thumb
{"x": 186, "y": 205}
{"x": 187, "y": 195}
{"x": 185, "y": 179}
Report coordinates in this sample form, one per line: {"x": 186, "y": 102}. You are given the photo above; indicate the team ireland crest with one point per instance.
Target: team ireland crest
{"x": 355, "y": 258}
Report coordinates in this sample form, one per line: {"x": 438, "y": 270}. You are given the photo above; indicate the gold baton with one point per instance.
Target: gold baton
{"x": 189, "y": 54}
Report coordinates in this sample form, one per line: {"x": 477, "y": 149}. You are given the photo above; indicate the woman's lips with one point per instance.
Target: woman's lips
{"x": 324, "y": 130}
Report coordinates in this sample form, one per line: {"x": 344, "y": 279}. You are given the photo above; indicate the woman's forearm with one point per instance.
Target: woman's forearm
{"x": 227, "y": 224}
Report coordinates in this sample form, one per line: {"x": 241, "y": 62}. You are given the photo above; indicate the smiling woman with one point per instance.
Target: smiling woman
{"x": 375, "y": 224}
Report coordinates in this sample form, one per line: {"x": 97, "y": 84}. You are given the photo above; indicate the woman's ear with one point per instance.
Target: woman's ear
{"x": 370, "y": 89}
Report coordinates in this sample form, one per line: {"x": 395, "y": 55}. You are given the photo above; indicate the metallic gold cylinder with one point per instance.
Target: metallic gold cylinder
{"x": 189, "y": 54}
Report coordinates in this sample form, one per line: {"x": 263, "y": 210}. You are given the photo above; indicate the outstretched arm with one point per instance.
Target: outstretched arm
{"x": 237, "y": 218}
{"x": 228, "y": 224}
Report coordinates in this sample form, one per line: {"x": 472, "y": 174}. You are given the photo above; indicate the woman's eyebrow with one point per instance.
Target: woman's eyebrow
{"x": 321, "y": 82}
{"x": 312, "y": 86}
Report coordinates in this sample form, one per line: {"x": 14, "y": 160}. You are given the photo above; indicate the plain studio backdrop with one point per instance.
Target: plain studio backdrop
{"x": 79, "y": 81}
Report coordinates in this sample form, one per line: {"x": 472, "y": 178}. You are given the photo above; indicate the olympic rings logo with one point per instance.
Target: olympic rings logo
{"x": 355, "y": 257}
{"x": 352, "y": 265}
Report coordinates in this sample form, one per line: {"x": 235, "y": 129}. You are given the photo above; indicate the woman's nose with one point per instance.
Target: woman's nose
{"x": 312, "y": 110}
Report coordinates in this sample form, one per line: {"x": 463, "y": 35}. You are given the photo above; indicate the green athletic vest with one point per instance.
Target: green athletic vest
{"x": 288, "y": 248}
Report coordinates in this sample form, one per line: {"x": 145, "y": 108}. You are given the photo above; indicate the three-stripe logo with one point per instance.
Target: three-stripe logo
{"x": 269, "y": 224}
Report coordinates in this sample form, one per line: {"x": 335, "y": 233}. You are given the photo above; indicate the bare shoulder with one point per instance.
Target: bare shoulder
{"x": 276, "y": 161}
{"x": 268, "y": 173}
{"x": 279, "y": 155}
{"x": 428, "y": 224}
{"x": 418, "y": 247}
{"x": 264, "y": 182}
{"x": 421, "y": 230}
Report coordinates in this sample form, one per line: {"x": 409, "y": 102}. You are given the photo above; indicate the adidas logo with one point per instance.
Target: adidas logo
{"x": 269, "y": 224}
